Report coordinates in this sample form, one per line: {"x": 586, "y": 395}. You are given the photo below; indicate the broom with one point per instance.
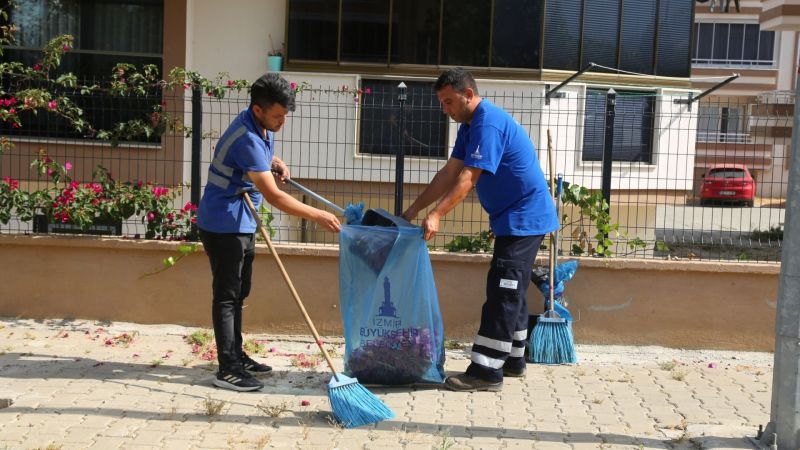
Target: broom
{"x": 551, "y": 340}
{"x": 352, "y": 404}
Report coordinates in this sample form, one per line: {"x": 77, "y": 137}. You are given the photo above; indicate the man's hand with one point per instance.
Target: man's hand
{"x": 280, "y": 170}
{"x": 430, "y": 225}
{"x": 328, "y": 221}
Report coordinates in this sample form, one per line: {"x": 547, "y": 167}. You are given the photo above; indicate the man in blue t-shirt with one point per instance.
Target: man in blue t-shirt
{"x": 244, "y": 162}
{"x": 494, "y": 155}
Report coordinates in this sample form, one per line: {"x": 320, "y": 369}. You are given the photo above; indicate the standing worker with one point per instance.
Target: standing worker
{"x": 244, "y": 161}
{"x": 494, "y": 154}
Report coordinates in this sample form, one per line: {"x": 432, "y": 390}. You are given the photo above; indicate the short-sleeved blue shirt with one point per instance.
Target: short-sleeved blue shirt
{"x": 241, "y": 149}
{"x": 512, "y": 187}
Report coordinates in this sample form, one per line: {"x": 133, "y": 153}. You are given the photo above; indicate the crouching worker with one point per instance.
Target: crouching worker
{"x": 244, "y": 161}
{"x": 493, "y": 154}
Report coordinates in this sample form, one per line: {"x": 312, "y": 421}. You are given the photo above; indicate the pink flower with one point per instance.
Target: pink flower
{"x": 230, "y": 83}
{"x": 12, "y": 111}
{"x": 293, "y": 85}
{"x": 712, "y": 366}
{"x": 50, "y": 172}
{"x": 273, "y": 349}
{"x": 37, "y": 67}
{"x": 185, "y": 86}
{"x": 170, "y": 216}
{"x": 65, "y": 47}
{"x": 52, "y": 104}
{"x": 305, "y": 403}
{"x": 151, "y": 217}
{"x": 368, "y": 90}
{"x": 68, "y": 166}
{"x": 14, "y": 125}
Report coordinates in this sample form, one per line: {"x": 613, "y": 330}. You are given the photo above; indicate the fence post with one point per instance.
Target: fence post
{"x": 197, "y": 142}
{"x": 400, "y": 154}
{"x": 608, "y": 146}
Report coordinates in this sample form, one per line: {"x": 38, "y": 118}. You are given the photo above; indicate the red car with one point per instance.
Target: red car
{"x": 728, "y": 183}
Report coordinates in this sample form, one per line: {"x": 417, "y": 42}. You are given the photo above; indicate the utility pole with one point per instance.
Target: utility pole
{"x": 783, "y": 430}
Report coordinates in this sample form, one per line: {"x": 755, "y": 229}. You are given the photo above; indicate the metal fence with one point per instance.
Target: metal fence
{"x": 644, "y": 151}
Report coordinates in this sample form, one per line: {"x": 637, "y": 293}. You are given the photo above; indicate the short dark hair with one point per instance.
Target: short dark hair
{"x": 271, "y": 88}
{"x": 458, "y": 78}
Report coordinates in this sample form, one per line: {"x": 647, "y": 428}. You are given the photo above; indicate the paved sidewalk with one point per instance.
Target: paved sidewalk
{"x": 86, "y": 384}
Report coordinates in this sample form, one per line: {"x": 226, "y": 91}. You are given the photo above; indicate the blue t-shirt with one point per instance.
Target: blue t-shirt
{"x": 241, "y": 149}
{"x": 512, "y": 187}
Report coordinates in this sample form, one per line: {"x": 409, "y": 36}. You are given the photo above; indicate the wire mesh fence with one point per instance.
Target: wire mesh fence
{"x": 695, "y": 180}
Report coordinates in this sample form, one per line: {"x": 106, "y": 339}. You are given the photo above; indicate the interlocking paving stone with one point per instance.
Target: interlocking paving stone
{"x": 93, "y": 395}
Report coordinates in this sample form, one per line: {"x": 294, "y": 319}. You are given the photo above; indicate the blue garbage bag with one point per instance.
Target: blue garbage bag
{"x": 392, "y": 323}
{"x": 564, "y": 272}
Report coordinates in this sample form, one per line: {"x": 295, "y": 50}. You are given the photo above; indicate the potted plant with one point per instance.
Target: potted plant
{"x": 275, "y": 57}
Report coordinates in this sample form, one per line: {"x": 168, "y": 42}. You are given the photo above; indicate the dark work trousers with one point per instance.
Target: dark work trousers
{"x": 504, "y": 319}
{"x": 231, "y": 257}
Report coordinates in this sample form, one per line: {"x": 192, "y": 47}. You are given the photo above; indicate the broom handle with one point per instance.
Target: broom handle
{"x": 316, "y": 196}
{"x": 552, "y": 254}
{"x": 289, "y": 283}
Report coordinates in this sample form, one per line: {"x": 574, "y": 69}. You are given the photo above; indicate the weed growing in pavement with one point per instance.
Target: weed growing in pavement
{"x": 597, "y": 401}
{"x": 451, "y": 344}
{"x": 334, "y": 423}
{"x": 445, "y": 442}
{"x": 199, "y": 337}
{"x": 156, "y": 362}
{"x": 679, "y": 375}
{"x": 304, "y": 361}
{"x": 51, "y": 446}
{"x": 273, "y": 410}
{"x": 667, "y": 365}
{"x": 211, "y": 407}
{"x": 254, "y": 347}
{"x": 185, "y": 362}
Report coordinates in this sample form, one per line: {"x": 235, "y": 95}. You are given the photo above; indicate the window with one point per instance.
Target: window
{"x": 562, "y": 40}
{"x": 721, "y": 124}
{"x": 516, "y": 43}
{"x": 365, "y": 30}
{"x": 633, "y": 126}
{"x": 415, "y": 32}
{"x": 473, "y": 33}
{"x": 465, "y": 32}
{"x": 733, "y": 44}
{"x": 638, "y": 36}
{"x": 425, "y": 126}
{"x": 674, "y": 29}
{"x": 106, "y": 33}
{"x": 600, "y": 32}
{"x": 642, "y": 36}
{"x": 313, "y": 29}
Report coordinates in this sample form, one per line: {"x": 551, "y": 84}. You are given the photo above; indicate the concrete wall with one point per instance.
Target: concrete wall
{"x": 645, "y": 302}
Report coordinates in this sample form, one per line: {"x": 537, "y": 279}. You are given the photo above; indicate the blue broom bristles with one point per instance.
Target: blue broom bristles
{"x": 353, "y": 405}
{"x": 552, "y": 342}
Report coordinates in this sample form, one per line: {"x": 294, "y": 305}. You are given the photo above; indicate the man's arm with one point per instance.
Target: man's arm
{"x": 265, "y": 183}
{"x": 442, "y": 182}
{"x": 466, "y": 180}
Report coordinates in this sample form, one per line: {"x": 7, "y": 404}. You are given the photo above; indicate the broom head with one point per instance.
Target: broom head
{"x": 353, "y": 405}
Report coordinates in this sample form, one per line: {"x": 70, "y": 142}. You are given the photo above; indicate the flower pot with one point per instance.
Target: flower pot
{"x": 107, "y": 227}
{"x": 275, "y": 63}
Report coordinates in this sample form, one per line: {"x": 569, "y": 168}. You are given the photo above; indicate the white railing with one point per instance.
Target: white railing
{"x": 738, "y": 63}
{"x": 735, "y": 138}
